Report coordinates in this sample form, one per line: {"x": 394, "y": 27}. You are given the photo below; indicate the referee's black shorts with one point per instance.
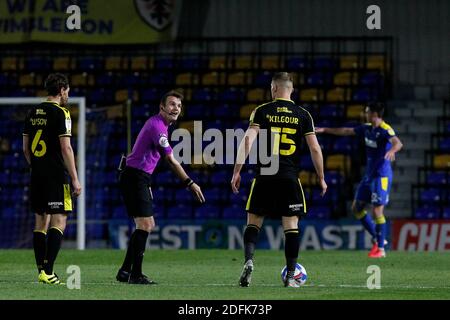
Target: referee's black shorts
{"x": 136, "y": 192}
{"x": 276, "y": 197}
{"x": 50, "y": 193}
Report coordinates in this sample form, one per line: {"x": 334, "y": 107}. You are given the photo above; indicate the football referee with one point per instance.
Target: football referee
{"x": 280, "y": 194}
{"x": 135, "y": 180}
{"x": 47, "y": 149}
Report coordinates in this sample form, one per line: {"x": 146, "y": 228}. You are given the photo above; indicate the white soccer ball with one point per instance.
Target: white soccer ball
{"x": 300, "y": 274}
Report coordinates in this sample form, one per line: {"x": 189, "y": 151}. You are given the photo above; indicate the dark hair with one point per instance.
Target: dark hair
{"x": 377, "y": 107}
{"x": 55, "y": 82}
{"x": 171, "y": 93}
{"x": 282, "y": 76}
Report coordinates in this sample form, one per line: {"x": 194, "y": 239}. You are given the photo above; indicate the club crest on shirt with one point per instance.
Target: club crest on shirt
{"x": 163, "y": 141}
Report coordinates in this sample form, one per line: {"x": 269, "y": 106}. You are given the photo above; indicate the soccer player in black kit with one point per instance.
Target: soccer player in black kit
{"x": 47, "y": 149}
{"x": 278, "y": 194}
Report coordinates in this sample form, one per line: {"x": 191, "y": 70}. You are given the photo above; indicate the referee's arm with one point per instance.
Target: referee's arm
{"x": 176, "y": 167}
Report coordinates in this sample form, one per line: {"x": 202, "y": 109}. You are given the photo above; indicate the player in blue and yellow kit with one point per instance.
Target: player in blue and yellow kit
{"x": 381, "y": 146}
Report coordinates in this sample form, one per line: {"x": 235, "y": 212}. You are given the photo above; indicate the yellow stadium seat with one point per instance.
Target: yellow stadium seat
{"x": 305, "y": 178}
{"x": 213, "y": 78}
{"x": 186, "y": 92}
{"x": 349, "y": 62}
{"x": 336, "y": 94}
{"x": 29, "y": 80}
{"x": 244, "y": 62}
{"x": 297, "y": 78}
{"x": 238, "y": 78}
{"x": 247, "y": 110}
{"x": 338, "y": 162}
{"x": 256, "y": 95}
{"x": 355, "y": 111}
{"x": 113, "y": 63}
{"x": 141, "y": 63}
{"x": 219, "y": 62}
{"x": 41, "y": 93}
{"x": 63, "y": 63}
{"x": 345, "y": 78}
{"x": 12, "y": 63}
{"x": 271, "y": 63}
{"x": 441, "y": 161}
{"x": 186, "y": 79}
{"x": 188, "y": 125}
{"x": 122, "y": 95}
{"x": 375, "y": 62}
{"x": 311, "y": 95}
{"x": 82, "y": 79}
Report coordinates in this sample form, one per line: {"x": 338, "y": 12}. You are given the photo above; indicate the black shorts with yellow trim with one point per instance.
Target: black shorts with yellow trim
{"x": 135, "y": 186}
{"x": 276, "y": 197}
{"x": 51, "y": 195}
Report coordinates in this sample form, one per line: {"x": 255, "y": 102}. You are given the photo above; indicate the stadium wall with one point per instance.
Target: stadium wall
{"x": 420, "y": 28}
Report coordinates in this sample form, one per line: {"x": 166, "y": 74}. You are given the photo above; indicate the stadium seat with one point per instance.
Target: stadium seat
{"x": 338, "y": 162}
{"x": 113, "y": 63}
{"x": 428, "y": 212}
{"x": 89, "y": 63}
{"x": 344, "y": 145}
{"x": 207, "y": 212}
{"x": 141, "y": 63}
{"x": 244, "y": 62}
{"x": 218, "y": 62}
{"x": 441, "y": 161}
{"x": 349, "y": 62}
{"x": 82, "y": 79}
{"x": 324, "y": 63}
{"x": 306, "y": 177}
{"x": 238, "y": 78}
{"x": 226, "y": 111}
{"x": 306, "y": 163}
{"x": 271, "y": 63}
{"x": 38, "y": 64}
{"x": 186, "y": 78}
{"x": 319, "y": 79}
{"x": 179, "y": 211}
{"x": 444, "y": 144}
{"x": 371, "y": 78}
{"x": 213, "y": 78}
{"x": 355, "y": 111}
{"x": 234, "y": 212}
{"x": 345, "y": 78}
{"x": 263, "y": 79}
{"x": 430, "y": 196}
{"x": 333, "y": 178}
{"x": 376, "y": 62}
{"x": 231, "y": 95}
{"x": 31, "y": 79}
{"x": 437, "y": 178}
{"x": 331, "y": 111}
{"x": 164, "y": 63}
{"x": 63, "y": 64}
{"x": 318, "y": 212}
{"x": 256, "y": 95}
{"x": 246, "y": 110}
{"x": 12, "y": 64}
{"x": 337, "y": 95}
{"x": 203, "y": 95}
{"x": 296, "y": 63}
{"x": 309, "y": 95}
{"x": 362, "y": 95}
{"x": 446, "y": 213}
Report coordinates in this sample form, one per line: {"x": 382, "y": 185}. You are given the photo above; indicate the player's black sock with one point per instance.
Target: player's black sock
{"x": 126, "y": 266}
{"x": 40, "y": 248}
{"x": 54, "y": 240}
{"x": 139, "y": 242}
{"x": 250, "y": 238}
{"x": 291, "y": 247}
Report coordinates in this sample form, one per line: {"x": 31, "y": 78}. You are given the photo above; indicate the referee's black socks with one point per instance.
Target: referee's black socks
{"x": 127, "y": 263}
{"x": 250, "y": 237}
{"x": 54, "y": 240}
{"x": 291, "y": 247}
{"x": 139, "y": 240}
{"x": 40, "y": 248}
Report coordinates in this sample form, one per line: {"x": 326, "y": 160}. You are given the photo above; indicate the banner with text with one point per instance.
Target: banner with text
{"x": 100, "y": 21}
{"x": 228, "y": 234}
{"x": 421, "y": 235}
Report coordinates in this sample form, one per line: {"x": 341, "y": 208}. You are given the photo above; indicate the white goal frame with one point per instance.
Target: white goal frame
{"x": 81, "y": 156}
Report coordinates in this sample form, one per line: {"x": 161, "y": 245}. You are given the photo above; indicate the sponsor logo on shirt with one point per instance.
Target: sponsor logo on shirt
{"x": 371, "y": 143}
{"x": 296, "y": 207}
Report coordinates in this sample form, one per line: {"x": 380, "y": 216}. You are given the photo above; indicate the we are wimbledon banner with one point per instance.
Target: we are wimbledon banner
{"x": 101, "y": 21}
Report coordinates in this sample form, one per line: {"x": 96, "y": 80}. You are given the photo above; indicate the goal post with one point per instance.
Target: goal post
{"x": 81, "y": 156}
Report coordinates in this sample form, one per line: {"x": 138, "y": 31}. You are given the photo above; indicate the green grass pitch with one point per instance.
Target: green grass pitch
{"x": 213, "y": 274}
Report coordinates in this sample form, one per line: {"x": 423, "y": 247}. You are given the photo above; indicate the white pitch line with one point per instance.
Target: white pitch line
{"x": 235, "y": 285}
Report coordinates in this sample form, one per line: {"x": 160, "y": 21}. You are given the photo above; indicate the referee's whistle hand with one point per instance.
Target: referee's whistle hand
{"x": 76, "y": 188}
{"x": 235, "y": 183}
{"x": 195, "y": 189}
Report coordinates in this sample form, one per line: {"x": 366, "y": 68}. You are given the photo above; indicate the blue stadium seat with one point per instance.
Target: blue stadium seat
{"x": 431, "y": 195}
{"x": 191, "y": 63}
{"x": 231, "y": 95}
{"x": 362, "y": 95}
{"x": 207, "y": 212}
{"x": 319, "y": 212}
{"x": 38, "y": 64}
{"x": 444, "y": 144}
{"x": 446, "y": 213}
{"x": 197, "y": 111}
{"x": 306, "y": 163}
{"x": 319, "y": 79}
{"x": 163, "y": 178}
{"x": 371, "y": 78}
{"x": 333, "y": 178}
{"x": 150, "y": 95}
{"x": 429, "y": 212}
{"x": 184, "y": 196}
{"x": 95, "y": 231}
{"x": 164, "y": 63}
{"x": 234, "y": 212}
{"x": 89, "y": 63}
{"x": 214, "y": 195}
{"x": 203, "y": 95}
{"x": 179, "y": 211}
{"x": 330, "y": 111}
{"x": 263, "y": 79}
{"x": 227, "y": 111}
{"x": 325, "y": 63}
{"x": 221, "y": 177}
{"x": 437, "y": 178}
{"x": 344, "y": 145}
{"x": 295, "y": 63}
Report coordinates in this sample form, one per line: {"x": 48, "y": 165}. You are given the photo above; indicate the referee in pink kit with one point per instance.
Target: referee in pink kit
{"x": 135, "y": 180}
